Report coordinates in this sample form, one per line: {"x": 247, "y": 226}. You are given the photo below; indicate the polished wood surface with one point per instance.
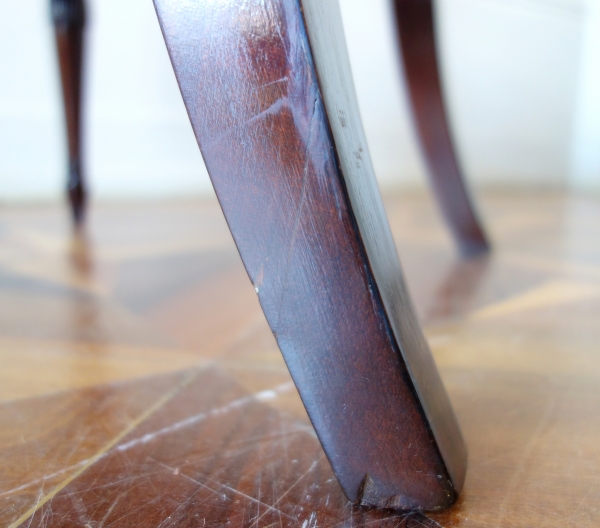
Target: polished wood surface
{"x": 314, "y": 238}
{"x": 140, "y": 383}
{"x": 416, "y": 31}
{"x": 69, "y": 25}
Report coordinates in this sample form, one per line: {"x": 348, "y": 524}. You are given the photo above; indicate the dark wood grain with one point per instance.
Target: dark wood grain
{"x": 317, "y": 247}
{"x": 415, "y": 21}
{"x": 69, "y": 25}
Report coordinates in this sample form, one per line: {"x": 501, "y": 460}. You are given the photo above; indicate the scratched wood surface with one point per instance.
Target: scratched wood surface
{"x": 140, "y": 385}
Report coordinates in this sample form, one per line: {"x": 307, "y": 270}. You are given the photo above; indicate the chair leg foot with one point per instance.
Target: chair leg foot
{"x": 415, "y": 22}
{"x": 76, "y": 194}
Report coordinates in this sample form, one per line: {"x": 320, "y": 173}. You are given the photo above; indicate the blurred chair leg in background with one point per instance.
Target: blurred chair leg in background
{"x": 417, "y": 41}
{"x": 69, "y": 22}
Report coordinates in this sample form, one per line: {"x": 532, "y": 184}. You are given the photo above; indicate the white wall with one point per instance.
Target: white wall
{"x": 510, "y": 71}
{"x": 520, "y": 77}
{"x": 585, "y": 153}
{"x": 138, "y": 139}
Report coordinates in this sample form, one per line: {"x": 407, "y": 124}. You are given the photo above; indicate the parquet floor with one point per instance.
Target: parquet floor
{"x": 140, "y": 385}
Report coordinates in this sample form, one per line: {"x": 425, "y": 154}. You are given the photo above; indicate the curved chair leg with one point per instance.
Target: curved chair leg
{"x": 288, "y": 159}
{"x": 417, "y": 41}
{"x": 69, "y": 22}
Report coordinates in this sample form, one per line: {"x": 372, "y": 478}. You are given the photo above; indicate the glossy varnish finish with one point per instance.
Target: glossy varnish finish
{"x": 415, "y": 23}
{"x": 69, "y": 24}
{"x": 247, "y": 77}
{"x": 141, "y": 386}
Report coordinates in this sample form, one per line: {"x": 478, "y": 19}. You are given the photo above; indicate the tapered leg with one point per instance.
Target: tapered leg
{"x": 69, "y": 23}
{"x": 417, "y": 40}
{"x": 269, "y": 93}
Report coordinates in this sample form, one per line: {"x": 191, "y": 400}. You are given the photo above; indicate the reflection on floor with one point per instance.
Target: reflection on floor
{"x": 140, "y": 385}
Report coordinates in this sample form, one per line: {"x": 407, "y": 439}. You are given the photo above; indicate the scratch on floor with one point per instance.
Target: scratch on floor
{"x": 420, "y": 519}
{"x": 109, "y": 445}
{"x": 109, "y": 511}
{"x": 311, "y": 522}
{"x": 311, "y": 468}
{"x": 44, "y": 478}
{"x": 233, "y": 490}
{"x": 39, "y": 499}
{"x": 265, "y": 395}
{"x": 187, "y": 501}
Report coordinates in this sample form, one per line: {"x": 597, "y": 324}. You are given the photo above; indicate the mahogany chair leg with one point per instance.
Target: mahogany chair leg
{"x": 69, "y": 23}
{"x": 417, "y": 41}
{"x": 269, "y": 93}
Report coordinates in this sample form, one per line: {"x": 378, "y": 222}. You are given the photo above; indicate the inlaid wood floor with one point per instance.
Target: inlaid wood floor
{"x": 140, "y": 385}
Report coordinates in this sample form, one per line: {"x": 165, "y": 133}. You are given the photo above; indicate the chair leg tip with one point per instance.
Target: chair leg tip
{"x": 474, "y": 247}
{"x": 77, "y": 197}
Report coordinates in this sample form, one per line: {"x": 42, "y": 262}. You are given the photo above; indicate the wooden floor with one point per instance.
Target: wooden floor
{"x": 140, "y": 385}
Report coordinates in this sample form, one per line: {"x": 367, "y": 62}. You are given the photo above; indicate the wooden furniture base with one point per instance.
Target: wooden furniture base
{"x": 268, "y": 89}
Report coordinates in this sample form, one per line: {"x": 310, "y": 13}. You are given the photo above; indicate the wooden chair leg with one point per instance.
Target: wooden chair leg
{"x": 69, "y": 22}
{"x": 269, "y": 93}
{"x": 417, "y": 41}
